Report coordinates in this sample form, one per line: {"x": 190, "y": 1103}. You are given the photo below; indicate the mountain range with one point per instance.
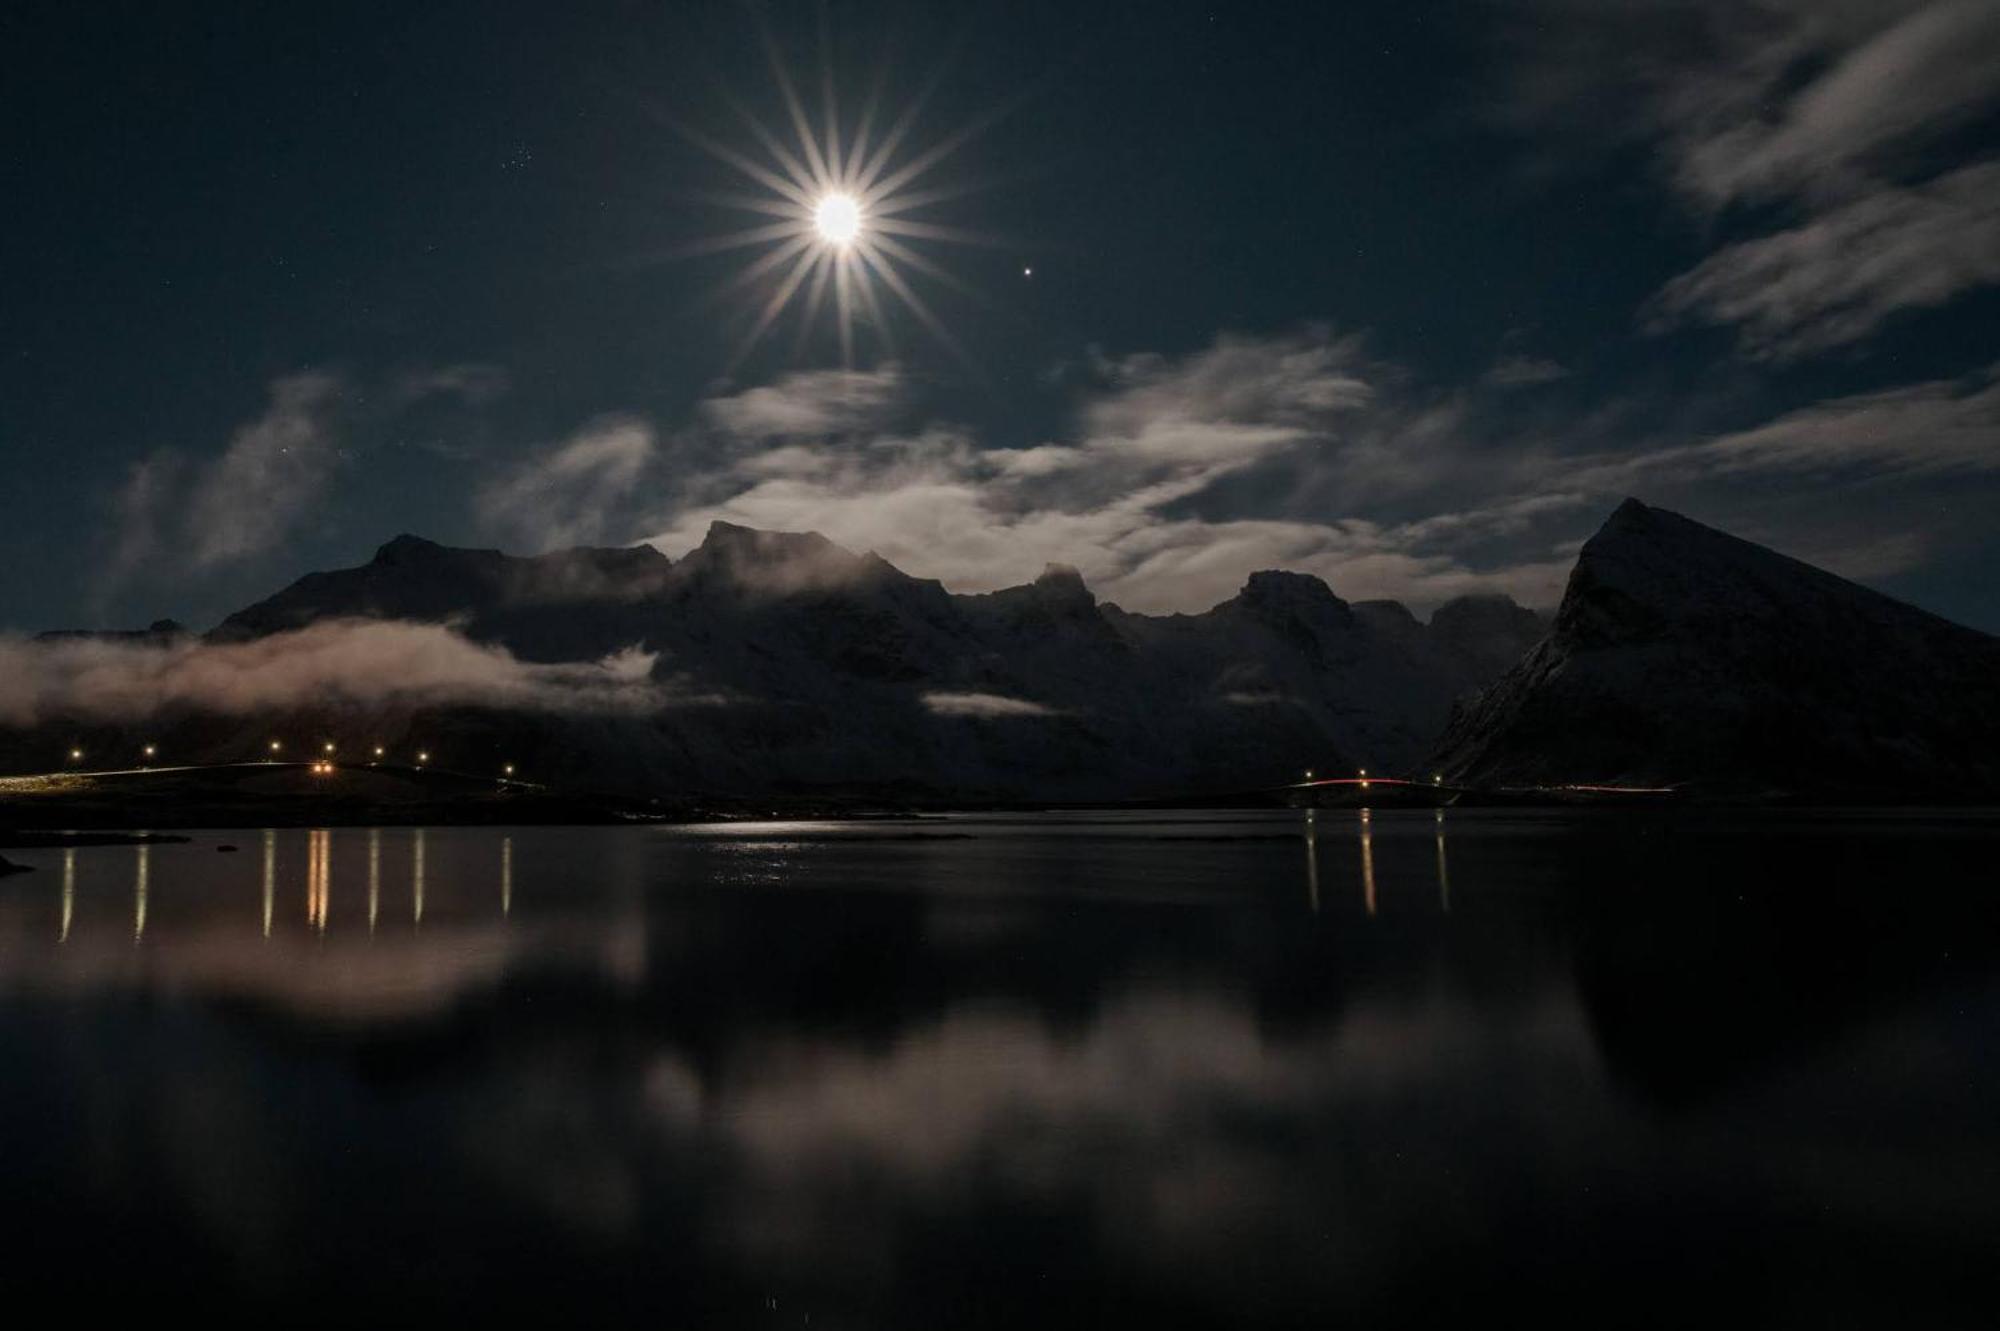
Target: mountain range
{"x": 1679, "y": 656}
{"x": 825, "y": 669}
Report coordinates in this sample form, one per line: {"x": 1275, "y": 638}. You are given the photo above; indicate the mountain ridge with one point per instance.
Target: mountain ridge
{"x": 1683, "y": 654}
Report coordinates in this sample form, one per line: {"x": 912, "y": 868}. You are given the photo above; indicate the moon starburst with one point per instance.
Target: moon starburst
{"x": 846, "y": 207}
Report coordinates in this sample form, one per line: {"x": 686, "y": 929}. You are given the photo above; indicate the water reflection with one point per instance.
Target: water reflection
{"x": 1312, "y": 862}
{"x": 1367, "y": 861}
{"x": 1444, "y": 876}
{"x": 270, "y": 878}
{"x": 874, "y": 1076}
{"x": 319, "y": 874}
{"x": 68, "y": 892}
{"x": 417, "y": 877}
{"x": 141, "y": 883}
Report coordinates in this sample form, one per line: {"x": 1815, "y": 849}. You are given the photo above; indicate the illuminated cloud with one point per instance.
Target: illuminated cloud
{"x": 573, "y": 494}
{"x": 369, "y": 663}
{"x": 1842, "y": 123}
{"x": 983, "y": 705}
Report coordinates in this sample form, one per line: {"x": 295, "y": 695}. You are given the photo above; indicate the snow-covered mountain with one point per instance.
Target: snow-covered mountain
{"x": 1683, "y": 654}
{"x": 805, "y": 666}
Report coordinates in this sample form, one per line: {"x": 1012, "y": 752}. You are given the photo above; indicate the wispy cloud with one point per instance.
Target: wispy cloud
{"x": 176, "y": 510}
{"x": 1833, "y": 279}
{"x": 473, "y": 383}
{"x": 249, "y": 498}
{"x": 1139, "y": 498}
{"x": 1836, "y": 127}
{"x": 577, "y": 492}
{"x": 1938, "y": 427}
{"x": 986, "y": 706}
{"x": 1516, "y": 371}
{"x": 809, "y": 405}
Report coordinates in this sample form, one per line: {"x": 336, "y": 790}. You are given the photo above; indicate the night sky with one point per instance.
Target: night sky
{"x": 1405, "y": 295}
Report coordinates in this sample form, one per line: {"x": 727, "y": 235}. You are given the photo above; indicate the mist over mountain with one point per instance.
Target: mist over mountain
{"x": 777, "y": 661}
{"x": 769, "y": 662}
{"x": 1681, "y": 654}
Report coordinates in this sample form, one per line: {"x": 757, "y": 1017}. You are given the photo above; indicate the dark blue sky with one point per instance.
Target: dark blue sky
{"x": 1406, "y": 295}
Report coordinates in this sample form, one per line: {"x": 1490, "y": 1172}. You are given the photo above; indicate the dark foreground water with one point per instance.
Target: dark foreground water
{"x": 1229, "y": 1069}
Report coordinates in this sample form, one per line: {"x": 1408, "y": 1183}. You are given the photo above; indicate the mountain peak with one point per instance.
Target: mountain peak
{"x": 1061, "y": 576}
{"x": 738, "y": 541}
{"x": 1683, "y": 653}
{"x": 405, "y": 549}
{"x": 1278, "y": 589}
{"x": 781, "y": 562}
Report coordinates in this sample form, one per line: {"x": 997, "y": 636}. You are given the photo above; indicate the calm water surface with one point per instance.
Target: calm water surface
{"x": 1234, "y": 1069}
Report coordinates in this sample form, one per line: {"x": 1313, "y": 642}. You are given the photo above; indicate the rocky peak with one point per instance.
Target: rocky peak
{"x": 1276, "y": 594}
{"x": 406, "y": 549}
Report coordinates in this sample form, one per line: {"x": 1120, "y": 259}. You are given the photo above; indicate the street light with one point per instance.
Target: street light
{"x": 508, "y": 770}
{"x": 76, "y": 755}
{"x": 275, "y": 746}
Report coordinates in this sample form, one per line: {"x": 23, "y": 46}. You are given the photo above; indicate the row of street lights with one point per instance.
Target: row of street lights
{"x": 1437, "y": 778}
{"x": 321, "y": 766}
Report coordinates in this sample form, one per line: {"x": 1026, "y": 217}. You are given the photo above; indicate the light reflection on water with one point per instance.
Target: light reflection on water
{"x": 987, "y": 1070}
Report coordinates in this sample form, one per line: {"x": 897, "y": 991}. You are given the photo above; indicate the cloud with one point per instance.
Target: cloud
{"x": 1173, "y": 488}
{"x": 984, "y": 705}
{"x": 810, "y": 405}
{"x": 1832, "y": 133}
{"x": 1178, "y": 476}
{"x": 238, "y": 504}
{"x": 247, "y": 500}
{"x": 471, "y": 382}
{"x": 1514, "y": 371}
{"x": 575, "y": 493}
{"x": 1935, "y": 428}
{"x": 362, "y": 662}
{"x": 1835, "y": 278}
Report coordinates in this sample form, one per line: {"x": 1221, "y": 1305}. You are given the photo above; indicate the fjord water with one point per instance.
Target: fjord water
{"x": 1243, "y": 1069}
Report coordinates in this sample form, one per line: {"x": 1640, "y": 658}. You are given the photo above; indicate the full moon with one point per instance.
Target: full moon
{"x": 838, "y": 218}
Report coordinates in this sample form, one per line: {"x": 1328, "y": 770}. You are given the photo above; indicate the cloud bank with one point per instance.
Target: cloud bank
{"x": 368, "y": 663}
{"x": 1184, "y": 475}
